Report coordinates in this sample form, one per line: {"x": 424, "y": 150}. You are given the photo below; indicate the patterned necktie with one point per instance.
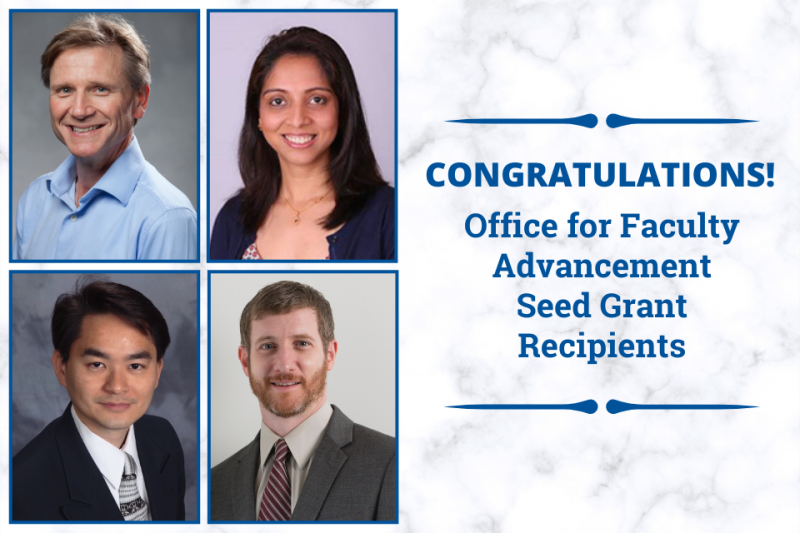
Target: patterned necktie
{"x": 276, "y": 502}
{"x": 131, "y": 504}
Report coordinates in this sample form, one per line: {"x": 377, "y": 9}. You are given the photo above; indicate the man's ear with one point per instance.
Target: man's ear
{"x": 243, "y": 360}
{"x": 141, "y": 98}
{"x": 158, "y": 371}
{"x": 60, "y": 368}
{"x": 330, "y": 354}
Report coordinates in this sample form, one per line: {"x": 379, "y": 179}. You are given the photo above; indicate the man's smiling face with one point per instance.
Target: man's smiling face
{"x": 287, "y": 363}
{"x": 92, "y": 105}
{"x": 111, "y": 374}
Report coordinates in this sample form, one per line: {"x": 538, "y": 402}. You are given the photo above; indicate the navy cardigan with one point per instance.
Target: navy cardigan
{"x": 368, "y": 235}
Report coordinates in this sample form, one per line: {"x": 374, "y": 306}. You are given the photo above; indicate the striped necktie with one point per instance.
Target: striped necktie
{"x": 276, "y": 502}
{"x": 131, "y": 504}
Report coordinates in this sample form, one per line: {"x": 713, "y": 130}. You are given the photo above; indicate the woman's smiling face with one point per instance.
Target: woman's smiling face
{"x": 299, "y": 112}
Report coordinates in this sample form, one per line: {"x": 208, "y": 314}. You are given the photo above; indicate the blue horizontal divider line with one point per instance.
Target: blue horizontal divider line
{"x": 617, "y": 121}
{"x": 590, "y": 121}
{"x": 586, "y": 121}
{"x": 588, "y": 406}
{"x": 615, "y": 406}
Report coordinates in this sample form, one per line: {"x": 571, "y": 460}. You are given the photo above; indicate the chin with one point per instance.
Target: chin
{"x": 303, "y": 159}
{"x": 286, "y": 411}
{"x": 119, "y": 423}
{"x": 286, "y": 408}
{"x": 79, "y": 150}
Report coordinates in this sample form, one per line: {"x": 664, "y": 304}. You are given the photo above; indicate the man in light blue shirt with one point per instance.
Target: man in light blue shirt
{"x": 105, "y": 201}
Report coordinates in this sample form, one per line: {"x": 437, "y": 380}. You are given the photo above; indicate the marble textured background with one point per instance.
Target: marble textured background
{"x": 735, "y": 471}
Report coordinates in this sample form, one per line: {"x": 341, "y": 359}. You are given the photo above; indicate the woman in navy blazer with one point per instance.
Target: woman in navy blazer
{"x": 312, "y": 186}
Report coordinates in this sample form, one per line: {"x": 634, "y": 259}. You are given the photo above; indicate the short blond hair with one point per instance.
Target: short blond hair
{"x": 101, "y": 30}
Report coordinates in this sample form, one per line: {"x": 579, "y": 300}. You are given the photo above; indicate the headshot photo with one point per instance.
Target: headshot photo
{"x": 302, "y": 135}
{"x": 303, "y": 402}
{"x": 104, "y": 388}
{"x": 104, "y": 126}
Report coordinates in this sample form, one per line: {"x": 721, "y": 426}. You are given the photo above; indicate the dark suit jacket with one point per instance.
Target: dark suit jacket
{"x": 352, "y": 477}
{"x": 55, "y": 478}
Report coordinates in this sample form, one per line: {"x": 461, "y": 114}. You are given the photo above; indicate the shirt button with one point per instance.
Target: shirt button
{"x": 73, "y": 218}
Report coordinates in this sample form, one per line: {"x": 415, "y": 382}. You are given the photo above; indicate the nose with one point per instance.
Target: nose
{"x": 299, "y": 116}
{"x": 286, "y": 361}
{"x": 81, "y": 106}
{"x": 116, "y": 382}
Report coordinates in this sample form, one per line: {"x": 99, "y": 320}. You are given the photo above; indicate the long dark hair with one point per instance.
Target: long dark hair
{"x": 353, "y": 169}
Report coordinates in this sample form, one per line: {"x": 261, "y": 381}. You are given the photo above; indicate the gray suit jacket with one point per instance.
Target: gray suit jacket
{"x": 352, "y": 478}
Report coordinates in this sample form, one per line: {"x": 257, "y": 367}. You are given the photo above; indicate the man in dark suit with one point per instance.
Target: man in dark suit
{"x": 309, "y": 462}
{"x": 103, "y": 459}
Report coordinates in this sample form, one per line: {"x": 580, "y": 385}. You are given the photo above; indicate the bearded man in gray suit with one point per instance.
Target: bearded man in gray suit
{"x": 309, "y": 462}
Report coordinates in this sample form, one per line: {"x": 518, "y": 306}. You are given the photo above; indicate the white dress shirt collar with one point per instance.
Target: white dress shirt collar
{"x": 302, "y": 440}
{"x": 110, "y": 460}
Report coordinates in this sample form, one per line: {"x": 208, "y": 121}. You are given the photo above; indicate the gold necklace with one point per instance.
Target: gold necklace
{"x": 298, "y": 212}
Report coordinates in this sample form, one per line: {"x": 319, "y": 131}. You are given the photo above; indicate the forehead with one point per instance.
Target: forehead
{"x": 112, "y": 335}
{"x": 88, "y": 62}
{"x": 297, "y": 322}
{"x": 296, "y": 70}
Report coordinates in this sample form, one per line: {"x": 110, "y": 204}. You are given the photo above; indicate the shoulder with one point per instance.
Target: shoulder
{"x": 229, "y": 214}
{"x": 222, "y": 474}
{"x": 231, "y": 485}
{"x": 42, "y": 459}
{"x": 36, "y": 192}
{"x": 375, "y": 443}
{"x": 383, "y": 198}
{"x": 379, "y": 205}
{"x": 159, "y": 192}
{"x": 229, "y": 238}
{"x": 39, "y": 185}
{"x": 156, "y": 426}
{"x": 369, "y": 234}
{"x": 39, "y": 482}
{"x": 38, "y": 452}
{"x": 360, "y": 440}
{"x": 156, "y": 433}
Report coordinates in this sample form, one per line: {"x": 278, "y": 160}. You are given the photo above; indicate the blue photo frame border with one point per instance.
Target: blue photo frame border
{"x": 208, "y": 135}
{"x": 11, "y": 274}
{"x": 11, "y": 137}
{"x": 396, "y": 275}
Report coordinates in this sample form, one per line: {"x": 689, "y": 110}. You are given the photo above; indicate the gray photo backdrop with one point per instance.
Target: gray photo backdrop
{"x": 38, "y": 398}
{"x": 168, "y": 132}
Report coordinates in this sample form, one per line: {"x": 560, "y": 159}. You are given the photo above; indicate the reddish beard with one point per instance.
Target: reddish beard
{"x": 276, "y": 402}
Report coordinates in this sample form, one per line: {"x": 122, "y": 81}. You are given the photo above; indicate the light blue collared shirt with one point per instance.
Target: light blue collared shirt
{"x": 133, "y": 212}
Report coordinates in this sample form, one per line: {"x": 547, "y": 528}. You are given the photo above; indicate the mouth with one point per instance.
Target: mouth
{"x": 116, "y": 407}
{"x": 299, "y": 141}
{"x": 87, "y": 129}
{"x": 284, "y": 383}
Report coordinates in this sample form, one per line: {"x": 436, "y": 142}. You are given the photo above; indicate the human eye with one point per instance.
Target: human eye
{"x": 102, "y": 90}
{"x": 94, "y": 365}
{"x": 318, "y": 100}
{"x": 137, "y": 366}
{"x": 62, "y": 91}
{"x": 266, "y": 346}
{"x": 277, "y": 101}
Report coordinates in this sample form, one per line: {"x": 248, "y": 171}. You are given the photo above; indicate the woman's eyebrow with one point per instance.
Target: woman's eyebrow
{"x": 310, "y": 89}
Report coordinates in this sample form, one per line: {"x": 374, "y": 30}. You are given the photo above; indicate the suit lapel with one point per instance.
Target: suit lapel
{"x": 89, "y": 494}
{"x": 154, "y": 460}
{"x": 243, "y": 495}
{"x": 328, "y": 460}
